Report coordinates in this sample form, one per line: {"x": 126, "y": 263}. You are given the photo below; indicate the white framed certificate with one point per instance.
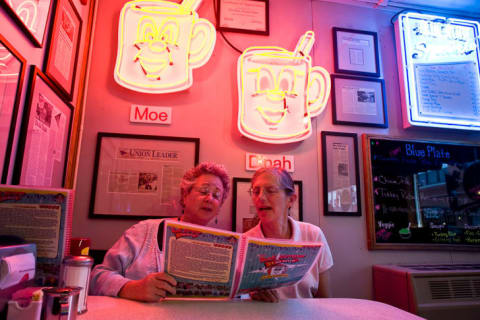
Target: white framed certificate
{"x": 246, "y": 16}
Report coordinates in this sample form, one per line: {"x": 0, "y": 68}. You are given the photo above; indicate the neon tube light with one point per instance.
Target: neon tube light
{"x": 159, "y": 43}
{"x": 279, "y": 92}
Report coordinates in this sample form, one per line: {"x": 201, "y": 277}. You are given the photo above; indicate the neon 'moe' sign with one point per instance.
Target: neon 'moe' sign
{"x": 159, "y": 43}
{"x": 279, "y": 92}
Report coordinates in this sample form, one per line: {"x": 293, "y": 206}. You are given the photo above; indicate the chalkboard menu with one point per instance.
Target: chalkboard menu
{"x": 422, "y": 194}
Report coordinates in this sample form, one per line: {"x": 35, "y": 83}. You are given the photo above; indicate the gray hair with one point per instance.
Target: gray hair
{"x": 192, "y": 174}
{"x": 284, "y": 179}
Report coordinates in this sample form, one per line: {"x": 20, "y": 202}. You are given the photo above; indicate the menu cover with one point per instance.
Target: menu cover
{"x": 42, "y": 216}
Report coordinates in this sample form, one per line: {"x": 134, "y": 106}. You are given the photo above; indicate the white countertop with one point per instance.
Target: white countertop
{"x": 108, "y": 308}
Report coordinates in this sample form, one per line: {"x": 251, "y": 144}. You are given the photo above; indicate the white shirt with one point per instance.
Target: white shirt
{"x": 302, "y": 231}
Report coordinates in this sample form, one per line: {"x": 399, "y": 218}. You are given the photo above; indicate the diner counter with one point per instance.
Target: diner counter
{"x": 100, "y": 307}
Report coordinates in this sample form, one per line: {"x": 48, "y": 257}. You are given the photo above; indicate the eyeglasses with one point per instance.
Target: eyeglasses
{"x": 205, "y": 191}
{"x": 268, "y": 191}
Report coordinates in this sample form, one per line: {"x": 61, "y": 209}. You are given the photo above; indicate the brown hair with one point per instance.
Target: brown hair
{"x": 191, "y": 176}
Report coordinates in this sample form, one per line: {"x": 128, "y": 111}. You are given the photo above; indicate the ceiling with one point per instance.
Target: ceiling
{"x": 468, "y": 8}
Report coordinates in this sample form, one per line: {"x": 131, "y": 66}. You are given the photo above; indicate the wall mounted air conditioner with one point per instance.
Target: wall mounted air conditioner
{"x": 436, "y": 292}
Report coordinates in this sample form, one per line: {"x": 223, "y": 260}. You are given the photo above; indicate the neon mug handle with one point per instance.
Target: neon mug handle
{"x": 318, "y": 90}
{"x": 201, "y": 43}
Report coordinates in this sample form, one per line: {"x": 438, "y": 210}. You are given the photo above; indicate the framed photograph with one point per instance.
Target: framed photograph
{"x": 356, "y": 52}
{"x": 31, "y": 16}
{"x": 61, "y": 60}
{"x": 45, "y": 135}
{"x": 244, "y": 214}
{"x": 138, "y": 176}
{"x": 341, "y": 181}
{"x": 12, "y": 72}
{"x": 245, "y": 16}
{"x": 359, "y": 101}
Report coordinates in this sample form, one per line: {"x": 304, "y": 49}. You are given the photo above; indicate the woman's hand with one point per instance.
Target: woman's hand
{"x": 266, "y": 295}
{"x": 154, "y": 287}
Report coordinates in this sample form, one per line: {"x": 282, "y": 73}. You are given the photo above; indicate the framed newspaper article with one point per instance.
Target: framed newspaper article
{"x": 359, "y": 101}
{"x": 244, "y": 214}
{"x": 341, "y": 181}
{"x": 12, "y": 72}
{"x": 138, "y": 176}
{"x": 31, "y": 17}
{"x": 62, "y": 57}
{"x": 356, "y": 52}
{"x": 44, "y": 137}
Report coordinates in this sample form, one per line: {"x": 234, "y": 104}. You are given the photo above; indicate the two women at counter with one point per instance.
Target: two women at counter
{"x": 132, "y": 268}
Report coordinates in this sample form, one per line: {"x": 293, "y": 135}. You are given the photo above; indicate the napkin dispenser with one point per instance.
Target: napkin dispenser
{"x": 17, "y": 270}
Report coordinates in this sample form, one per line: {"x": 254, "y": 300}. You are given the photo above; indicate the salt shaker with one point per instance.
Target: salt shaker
{"x": 76, "y": 273}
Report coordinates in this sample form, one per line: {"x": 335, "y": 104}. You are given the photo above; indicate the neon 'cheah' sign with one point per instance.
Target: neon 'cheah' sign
{"x": 279, "y": 91}
{"x": 159, "y": 43}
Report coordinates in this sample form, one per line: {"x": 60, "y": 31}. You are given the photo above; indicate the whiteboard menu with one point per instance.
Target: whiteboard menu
{"x": 438, "y": 61}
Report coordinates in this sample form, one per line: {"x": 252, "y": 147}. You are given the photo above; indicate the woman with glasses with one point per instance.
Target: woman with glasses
{"x": 273, "y": 194}
{"x": 132, "y": 268}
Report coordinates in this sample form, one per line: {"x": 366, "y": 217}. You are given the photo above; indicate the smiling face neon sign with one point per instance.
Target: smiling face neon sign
{"x": 159, "y": 43}
{"x": 279, "y": 91}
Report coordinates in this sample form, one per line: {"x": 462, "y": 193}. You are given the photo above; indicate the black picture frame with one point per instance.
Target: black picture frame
{"x": 29, "y": 25}
{"x": 11, "y": 84}
{"x": 355, "y": 52}
{"x": 341, "y": 186}
{"x": 138, "y": 176}
{"x": 66, "y": 26}
{"x": 220, "y": 15}
{"x": 47, "y": 117}
{"x": 359, "y": 101}
{"x": 240, "y": 197}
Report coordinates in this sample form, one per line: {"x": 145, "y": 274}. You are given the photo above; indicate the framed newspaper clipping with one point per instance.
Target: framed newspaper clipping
{"x": 62, "y": 57}
{"x": 244, "y": 213}
{"x": 45, "y": 135}
{"x": 359, "y": 101}
{"x": 12, "y": 73}
{"x": 341, "y": 178}
{"x": 356, "y": 52}
{"x": 138, "y": 176}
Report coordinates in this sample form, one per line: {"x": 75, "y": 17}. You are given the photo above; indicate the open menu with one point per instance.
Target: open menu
{"x": 210, "y": 263}
{"x": 42, "y": 216}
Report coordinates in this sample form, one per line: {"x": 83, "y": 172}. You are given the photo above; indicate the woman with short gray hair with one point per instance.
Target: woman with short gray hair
{"x": 273, "y": 194}
{"x": 132, "y": 268}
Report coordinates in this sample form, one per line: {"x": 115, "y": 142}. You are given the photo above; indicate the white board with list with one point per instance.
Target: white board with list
{"x": 438, "y": 61}
{"x": 448, "y": 90}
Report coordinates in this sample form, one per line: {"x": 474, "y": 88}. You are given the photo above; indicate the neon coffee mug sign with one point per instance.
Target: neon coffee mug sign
{"x": 279, "y": 92}
{"x": 159, "y": 43}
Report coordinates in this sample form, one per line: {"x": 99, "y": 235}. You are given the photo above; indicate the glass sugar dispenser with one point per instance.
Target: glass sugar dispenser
{"x": 76, "y": 273}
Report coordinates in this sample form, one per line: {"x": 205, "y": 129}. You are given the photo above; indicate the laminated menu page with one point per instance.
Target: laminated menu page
{"x": 42, "y": 216}
{"x": 210, "y": 263}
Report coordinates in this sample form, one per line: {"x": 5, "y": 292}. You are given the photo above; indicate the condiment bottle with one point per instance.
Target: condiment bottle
{"x": 76, "y": 273}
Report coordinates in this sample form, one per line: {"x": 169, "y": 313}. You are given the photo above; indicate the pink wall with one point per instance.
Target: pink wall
{"x": 208, "y": 110}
